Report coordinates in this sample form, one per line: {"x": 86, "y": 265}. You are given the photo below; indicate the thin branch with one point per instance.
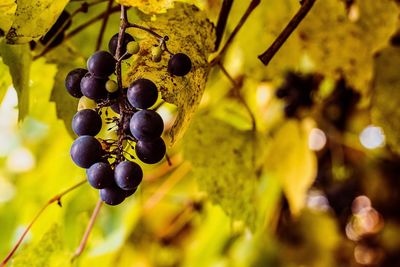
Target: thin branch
{"x": 104, "y": 24}
{"x": 222, "y": 19}
{"x": 89, "y": 228}
{"x": 250, "y": 9}
{"x": 239, "y": 96}
{"x": 56, "y": 198}
{"x": 284, "y": 35}
{"x": 161, "y": 39}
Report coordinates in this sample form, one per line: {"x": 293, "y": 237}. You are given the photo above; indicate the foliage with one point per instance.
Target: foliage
{"x": 247, "y": 186}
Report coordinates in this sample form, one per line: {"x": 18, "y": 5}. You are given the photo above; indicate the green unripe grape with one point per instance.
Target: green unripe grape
{"x": 111, "y": 86}
{"x": 156, "y": 53}
{"x": 132, "y": 47}
{"x": 86, "y": 103}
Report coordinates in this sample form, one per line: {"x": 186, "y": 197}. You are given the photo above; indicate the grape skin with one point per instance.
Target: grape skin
{"x": 113, "y": 43}
{"x": 128, "y": 175}
{"x": 101, "y": 64}
{"x": 85, "y": 151}
{"x": 100, "y": 175}
{"x": 142, "y": 93}
{"x": 86, "y": 122}
{"x": 112, "y": 195}
{"x": 150, "y": 152}
{"x": 146, "y": 125}
{"x": 93, "y": 88}
{"x": 179, "y": 64}
{"x": 73, "y": 82}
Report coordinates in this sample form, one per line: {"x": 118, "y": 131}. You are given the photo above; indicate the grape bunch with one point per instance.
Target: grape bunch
{"x": 297, "y": 91}
{"x": 110, "y": 166}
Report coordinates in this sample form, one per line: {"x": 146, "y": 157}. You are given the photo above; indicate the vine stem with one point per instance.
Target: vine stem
{"x": 88, "y": 230}
{"x": 56, "y": 198}
{"x": 287, "y": 31}
{"x": 104, "y": 24}
{"x": 222, "y": 19}
{"x": 249, "y": 10}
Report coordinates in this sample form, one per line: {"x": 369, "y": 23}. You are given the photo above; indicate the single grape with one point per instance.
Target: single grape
{"x": 142, "y": 93}
{"x": 100, "y": 175}
{"x": 112, "y": 195}
{"x": 156, "y": 53}
{"x": 86, "y": 103}
{"x": 101, "y": 64}
{"x": 115, "y": 107}
{"x": 73, "y": 82}
{"x": 150, "y": 152}
{"x": 112, "y": 44}
{"x": 111, "y": 86}
{"x": 146, "y": 125}
{"x": 133, "y": 47}
{"x": 129, "y": 193}
{"x": 179, "y": 64}
{"x": 86, "y": 122}
{"x": 85, "y": 151}
{"x": 128, "y": 175}
{"x": 93, "y": 88}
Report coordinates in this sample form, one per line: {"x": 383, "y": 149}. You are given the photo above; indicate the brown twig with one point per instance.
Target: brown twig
{"x": 284, "y": 35}
{"x": 251, "y": 7}
{"x": 89, "y": 228}
{"x": 222, "y": 19}
{"x": 56, "y": 198}
{"x": 104, "y": 24}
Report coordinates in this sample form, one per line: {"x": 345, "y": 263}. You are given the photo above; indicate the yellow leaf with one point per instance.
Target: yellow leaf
{"x": 291, "y": 161}
{"x": 33, "y": 19}
{"x": 7, "y": 11}
{"x": 153, "y": 6}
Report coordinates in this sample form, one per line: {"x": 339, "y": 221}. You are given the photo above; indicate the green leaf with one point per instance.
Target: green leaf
{"x": 189, "y": 32}
{"x": 44, "y": 253}
{"x": 225, "y": 161}
{"x": 5, "y": 79}
{"x": 290, "y": 160}
{"x": 33, "y": 19}
{"x": 18, "y": 59}
{"x": 7, "y": 11}
{"x": 386, "y": 95}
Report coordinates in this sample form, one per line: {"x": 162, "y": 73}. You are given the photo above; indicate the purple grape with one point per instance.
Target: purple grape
{"x": 179, "y": 64}
{"x": 100, "y": 175}
{"x": 142, "y": 93}
{"x": 146, "y": 125}
{"x": 112, "y": 45}
{"x": 93, "y": 88}
{"x": 128, "y": 175}
{"x": 112, "y": 195}
{"x": 73, "y": 82}
{"x": 129, "y": 193}
{"x": 150, "y": 152}
{"x": 101, "y": 64}
{"x": 86, "y": 151}
{"x": 86, "y": 122}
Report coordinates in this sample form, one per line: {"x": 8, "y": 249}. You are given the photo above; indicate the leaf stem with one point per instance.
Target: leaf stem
{"x": 88, "y": 230}
{"x": 249, "y": 10}
{"x": 222, "y": 19}
{"x": 287, "y": 31}
{"x": 56, "y": 198}
{"x": 104, "y": 24}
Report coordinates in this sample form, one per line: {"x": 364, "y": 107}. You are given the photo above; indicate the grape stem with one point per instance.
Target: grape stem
{"x": 287, "y": 31}
{"x": 222, "y": 19}
{"x": 89, "y": 228}
{"x": 250, "y": 9}
{"x": 56, "y": 198}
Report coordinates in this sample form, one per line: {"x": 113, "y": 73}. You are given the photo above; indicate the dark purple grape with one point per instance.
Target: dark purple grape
{"x": 86, "y": 151}
{"x": 129, "y": 193}
{"x": 128, "y": 175}
{"x": 150, "y": 152}
{"x": 115, "y": 107}
{"x": 146, "y": 125}
{"x": 112, "y": 45}
{"x": 73, "y": 82}
{"x": 93, "y": 88}
{"x": 179, "y": 64}
{"x": 142, "y": 93}
{"x": 86, "y": 122}
{"x": 100, "y": 175}
{"x": 101, "y": 64}
{"x": 112, "y": 195}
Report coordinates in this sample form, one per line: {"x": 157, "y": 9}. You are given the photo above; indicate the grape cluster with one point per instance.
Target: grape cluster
{"x": 297, "y": 91}
{"x": 109, "y": 165}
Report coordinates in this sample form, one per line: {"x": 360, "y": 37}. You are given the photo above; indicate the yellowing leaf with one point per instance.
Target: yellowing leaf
{"x": 18, "y": 59}
{"x": 153, "y": 6}
{"x": 33, "y": 19}
{"x": 290, "y": 160}
{"x": 7, "y": 11}
{"x": 224, "y": 164}
{"x": 189, "y": 32}
{"x": 386, "y": 95}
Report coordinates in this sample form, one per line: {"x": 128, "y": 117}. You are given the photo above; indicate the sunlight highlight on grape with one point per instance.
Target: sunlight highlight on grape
{"x": 372, "y": 137}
